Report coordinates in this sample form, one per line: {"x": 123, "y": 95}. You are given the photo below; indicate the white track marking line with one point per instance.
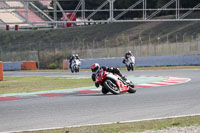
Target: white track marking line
{"x": 106, "y": 123}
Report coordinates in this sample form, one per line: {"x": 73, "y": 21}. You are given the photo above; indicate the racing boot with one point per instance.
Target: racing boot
{"x": 128, "y": 82}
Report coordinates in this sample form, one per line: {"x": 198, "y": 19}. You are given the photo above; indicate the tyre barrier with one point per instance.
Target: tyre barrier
{"x": 65, "y": 64}
{"x": 12, "y": 66}
{"x": 29, "y": 65}
{"x": 17, "y": 66}
{"x": 1, "y": 71}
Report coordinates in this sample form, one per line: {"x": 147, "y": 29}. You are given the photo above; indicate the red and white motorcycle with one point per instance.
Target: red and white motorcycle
{"x": 130, "y": 63}
{"x": 113, "y": 83}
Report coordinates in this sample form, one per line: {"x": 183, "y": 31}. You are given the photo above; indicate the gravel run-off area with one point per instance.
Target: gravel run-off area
{"x": 190, "y": 129}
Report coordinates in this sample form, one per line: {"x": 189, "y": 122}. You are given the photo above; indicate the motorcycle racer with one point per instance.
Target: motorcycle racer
{"x": 95, "y": 68}
{"x": 127, "y": 55}
{"x": 70, "y": 61}
{"x": 129, "y": 61}
{"x": 72, "y": 58}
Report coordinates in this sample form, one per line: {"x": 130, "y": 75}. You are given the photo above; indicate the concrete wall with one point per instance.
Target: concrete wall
{"x": 146, "y": 61}
{"x": 169, "y": 60}
{"x": 117, "y": 62}
{"x": 11, "y": 66}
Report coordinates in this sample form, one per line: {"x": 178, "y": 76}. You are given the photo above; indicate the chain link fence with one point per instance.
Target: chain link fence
{"x": 141, "y": 46}
{"x": 144, "y": 45}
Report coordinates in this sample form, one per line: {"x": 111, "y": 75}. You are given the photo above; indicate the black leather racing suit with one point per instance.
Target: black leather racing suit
{"x": 70, "y": 61}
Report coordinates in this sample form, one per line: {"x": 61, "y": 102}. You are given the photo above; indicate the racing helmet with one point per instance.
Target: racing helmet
{"x": 95, "y": 67}
{"x": 76, "y": 55}
{"x": 129, "y": 52}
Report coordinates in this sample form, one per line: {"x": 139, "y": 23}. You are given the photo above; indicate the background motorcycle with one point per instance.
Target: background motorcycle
{"x": 130, "y": 63}
{"x": 75, "y": 65}
{"x": 113, "y": 83}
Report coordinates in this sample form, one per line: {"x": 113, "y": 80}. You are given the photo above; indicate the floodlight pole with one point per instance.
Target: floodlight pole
{"x": 55, "y": 13}
{"x": 26, "y": 11}
{"x": 83, "y": 10}
{"x": 144, "y": 9}
{"x": 111, "y": 7}
{"x": 177, "y": 9}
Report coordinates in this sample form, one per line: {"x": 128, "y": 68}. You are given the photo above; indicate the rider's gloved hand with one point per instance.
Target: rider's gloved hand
{"x": 124, "y": 78}
{"x": 97, "y": 85}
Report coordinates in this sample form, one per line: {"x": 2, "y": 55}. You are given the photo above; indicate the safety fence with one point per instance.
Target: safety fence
{"x": 142, "y": 46}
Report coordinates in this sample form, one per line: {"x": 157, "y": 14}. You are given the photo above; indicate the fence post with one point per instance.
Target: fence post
{"x": 83, "y": 42}
{"x": 158, "y": 40}
{"x": 140, "y": 40}
{"x": 117, "y": 47}
{"x": 148, "y": 45}
{"x": 93, "y": 46}
{"x": 38, "y": 56}
{"x": 176, "y": 43}
{"x": 169, "y": 46}
{"x": 128, "y": 41}
{"x": 134, "y": 49}
{"x": 192, "y": 40}
{"x": 106, "y": 48}
{"x": 183, "y": 48}
{"x": 73, "y": 44}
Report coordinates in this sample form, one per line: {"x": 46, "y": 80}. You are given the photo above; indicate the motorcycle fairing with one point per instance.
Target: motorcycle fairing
{"x": 120, "y": 84}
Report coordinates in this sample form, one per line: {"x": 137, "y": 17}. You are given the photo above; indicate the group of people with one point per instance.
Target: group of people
{"x": 95, "y": 68}
{"x": 75, "y": 56}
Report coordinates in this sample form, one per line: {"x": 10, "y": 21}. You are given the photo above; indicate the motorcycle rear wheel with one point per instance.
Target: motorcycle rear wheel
{"x": 104, "y": 91}
{"x": 111, "y": 86}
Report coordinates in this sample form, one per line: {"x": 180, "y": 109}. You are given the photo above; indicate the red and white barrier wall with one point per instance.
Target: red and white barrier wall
{"x": 29, "y": 65}
{"x": 65, "y": 64}
{"x": 1, "y": 71}
{"x": 15, "y": 66}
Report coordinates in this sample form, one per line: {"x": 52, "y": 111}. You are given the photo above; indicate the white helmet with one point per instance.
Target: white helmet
{"x": 95, "y": 67}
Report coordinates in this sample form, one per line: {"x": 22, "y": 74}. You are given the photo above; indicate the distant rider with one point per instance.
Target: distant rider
{"x": 95, "y": 68}
{"x": 70, "y": 61}
{"x": 126, "y": 56}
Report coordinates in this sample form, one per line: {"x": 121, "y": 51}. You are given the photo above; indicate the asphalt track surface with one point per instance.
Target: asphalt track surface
{"x": 147, "y": 103}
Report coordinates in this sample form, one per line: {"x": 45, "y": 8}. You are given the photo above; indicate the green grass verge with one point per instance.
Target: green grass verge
{"x": 130, "y": 127}
{"x": 123, "y": 68}
{"x": 40, "y": 83}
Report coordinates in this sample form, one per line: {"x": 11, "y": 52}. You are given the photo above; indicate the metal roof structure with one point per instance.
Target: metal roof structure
{"x": 113, "y": 14}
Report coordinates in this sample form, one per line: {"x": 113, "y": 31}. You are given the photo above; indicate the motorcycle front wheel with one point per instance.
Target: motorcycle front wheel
{"x": 111, "y": 86}
{"x": 132, "y": 67}
{"x": 128, "y": 68}
{"x": 131, "y": 88}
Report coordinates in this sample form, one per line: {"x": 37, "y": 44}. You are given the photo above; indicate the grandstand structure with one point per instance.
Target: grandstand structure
{"x": 44, "y": 13}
